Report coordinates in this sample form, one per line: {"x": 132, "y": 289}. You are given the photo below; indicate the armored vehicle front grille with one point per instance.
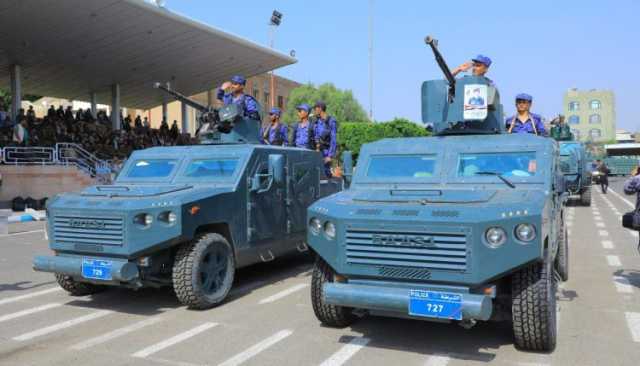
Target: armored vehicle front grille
{"x": 88, "y": 230}
{"x": 415, "y": 250}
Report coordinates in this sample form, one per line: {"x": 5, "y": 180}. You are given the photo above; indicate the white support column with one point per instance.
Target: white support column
{"x": 115, "y": 107}
{"x": 16, "y": 91}
{"x": 185, "y": 118}
{"x": 94, "y": 104}
{"x": 165, "y": 112}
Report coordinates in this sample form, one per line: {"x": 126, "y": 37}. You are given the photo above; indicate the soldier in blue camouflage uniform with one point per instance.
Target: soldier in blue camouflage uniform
{"x": 276, "y": 133}
{"x": 303, "y": 130}
{"x": 524, "y": 121}
{"x": 325, "y": 130}
{"x": 233, "y": 92}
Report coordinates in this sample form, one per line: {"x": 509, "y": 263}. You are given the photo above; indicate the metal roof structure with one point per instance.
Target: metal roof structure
{"x": 70, "y": 48}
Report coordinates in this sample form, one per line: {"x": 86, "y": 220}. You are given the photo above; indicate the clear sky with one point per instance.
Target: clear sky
{"x": 541, "y": 47}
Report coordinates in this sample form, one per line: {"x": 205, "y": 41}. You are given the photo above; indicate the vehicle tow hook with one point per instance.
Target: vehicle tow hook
{"x": 467, "y": 323}
{"x": 302, "y": 247}
{"x": 269, "y": 258}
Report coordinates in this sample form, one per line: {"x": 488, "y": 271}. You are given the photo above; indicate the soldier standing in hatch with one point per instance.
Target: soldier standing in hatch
{"x": 233, "y": 92}
{"x": 303, "y": 130}
{"x": 325, "y": 131}
{"x": 525, "y": 121}
{"x": 479, "y": 67}
{"x": 276, "y": 133}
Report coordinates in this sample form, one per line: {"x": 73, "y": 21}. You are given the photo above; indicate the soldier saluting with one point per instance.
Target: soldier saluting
{"x": 325, "y": 130}
{"x": 232, "y": 92}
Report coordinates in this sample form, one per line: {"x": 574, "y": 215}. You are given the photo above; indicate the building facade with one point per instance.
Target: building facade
{"x": 591, "y": 114}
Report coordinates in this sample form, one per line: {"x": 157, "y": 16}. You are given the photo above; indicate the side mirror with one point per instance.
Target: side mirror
{"x": 347, "y": 167}
{"x": 276, "y": 168}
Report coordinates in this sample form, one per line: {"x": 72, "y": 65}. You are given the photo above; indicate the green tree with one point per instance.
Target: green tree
{"x": 351, "y": 136}
{"x": 341, "y": 104}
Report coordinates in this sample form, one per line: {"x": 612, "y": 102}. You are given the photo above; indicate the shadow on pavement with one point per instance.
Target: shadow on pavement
{"x": 429, "y": 338}
{"x": 631, "y": 275}
{"x": 22, "y": 286}
{"x": 152, "y": 301}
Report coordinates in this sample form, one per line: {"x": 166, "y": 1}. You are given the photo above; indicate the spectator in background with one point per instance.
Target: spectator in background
{"x": 60, "y": 112}
{"x": 51, "y": 113}
{"x": 175, "y": 131}
{"x": 164, "y": 127}
{"x": 138, "y": 122}
{"x": 21, "y": 133}
{"x": 79, "y": 115}
{"x": 68, "y": 114}
{"x": 146, "y": 124}
{"x": 31, "y": 115}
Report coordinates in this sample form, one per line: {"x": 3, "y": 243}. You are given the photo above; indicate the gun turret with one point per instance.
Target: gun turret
{"x": 224, "y": 125}
{"x": 433, "y": 43}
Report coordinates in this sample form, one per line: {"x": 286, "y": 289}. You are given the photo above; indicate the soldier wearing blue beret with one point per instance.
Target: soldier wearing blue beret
{"x": 525, "y": 121}
{"x": 326, "y": 131}
{"x": 276, "y": 133}
{"x": 479, "y": 66}
{"x": 303, "y": 130}
{"x": 233, "y": 92}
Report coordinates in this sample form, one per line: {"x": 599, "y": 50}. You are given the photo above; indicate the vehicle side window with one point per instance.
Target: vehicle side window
{"x": 300, "y": 172}
{"x": 263, "y": 173}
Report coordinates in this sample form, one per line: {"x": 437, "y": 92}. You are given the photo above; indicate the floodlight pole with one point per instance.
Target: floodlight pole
{"x": 272, "y": 83}
{"x": 371, "y": 60}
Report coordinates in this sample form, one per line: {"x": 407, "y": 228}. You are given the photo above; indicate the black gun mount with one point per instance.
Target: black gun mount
{"x": 207, "y": 113}
{"x": 433, "y": 43}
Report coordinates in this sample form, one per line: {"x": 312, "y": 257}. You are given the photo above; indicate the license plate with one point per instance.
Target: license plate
{"x": 96, "y": 269}
{"x": 433, "y": 304}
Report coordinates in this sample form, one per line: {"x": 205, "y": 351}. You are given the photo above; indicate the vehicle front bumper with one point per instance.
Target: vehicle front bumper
{"x": 393, "y": 299}
{"x": 121, "y": 270}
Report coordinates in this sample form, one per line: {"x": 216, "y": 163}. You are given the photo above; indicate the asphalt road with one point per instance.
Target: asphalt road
{"x": 269, "y": 320}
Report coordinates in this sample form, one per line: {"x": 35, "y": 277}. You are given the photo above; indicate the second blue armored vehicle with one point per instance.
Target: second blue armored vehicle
{"x": 574, "y": 164}
{"x": 187, "y": 216}
{"x": 464, "y": 226}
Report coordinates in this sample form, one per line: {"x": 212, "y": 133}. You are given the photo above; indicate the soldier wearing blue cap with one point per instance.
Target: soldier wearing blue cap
{"x": 233, "y": 92}
{"x": 525, "y": 121}
{"x": 326, "y": 131}
{"x": 303, "y": 132}
{"x": 276, "y": 133}
{"x": 479, "y": 65}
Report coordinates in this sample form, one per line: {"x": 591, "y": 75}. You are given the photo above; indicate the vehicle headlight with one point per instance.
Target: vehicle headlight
{"x": 143, "y": 219}
{"x": 495, "y": 237}
{"x": 315, "y": 226}
{"x": 329, "y": 230}
{"x": 168, "y": 216}
{"x": 525, "y": 232}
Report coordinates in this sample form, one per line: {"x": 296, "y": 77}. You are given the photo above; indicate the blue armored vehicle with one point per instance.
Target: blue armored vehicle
{"x": 574, "y": 165}
{"x": 187, "y": 216}
{"x": 462, "y": 227}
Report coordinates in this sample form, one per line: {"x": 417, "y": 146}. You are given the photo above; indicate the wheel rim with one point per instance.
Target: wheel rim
{"x": 213, "y": 269}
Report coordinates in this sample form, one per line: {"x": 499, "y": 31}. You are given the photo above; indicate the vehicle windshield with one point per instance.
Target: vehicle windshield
{"x": 401, "y": 166}
{"x": 151, "y": 168}
{"x": 211, "y": 168}
{"x": 568, "y": 164}
{"x": 507, "y": 164}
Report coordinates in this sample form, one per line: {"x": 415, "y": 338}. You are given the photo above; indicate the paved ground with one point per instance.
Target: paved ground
{"x": 269, "y": 320}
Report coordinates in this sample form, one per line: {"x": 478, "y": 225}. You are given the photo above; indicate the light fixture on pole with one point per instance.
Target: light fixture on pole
{"x": 274, "y": 22}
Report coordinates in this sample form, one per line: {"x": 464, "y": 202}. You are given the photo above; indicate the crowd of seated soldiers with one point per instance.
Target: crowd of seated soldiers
{"x": 94, "y": 134}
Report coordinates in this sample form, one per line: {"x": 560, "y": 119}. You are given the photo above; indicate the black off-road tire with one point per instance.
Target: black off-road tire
{"x": 585, "y": 196}
{"x": 533, "y": 307}
{"x": 76, "y": 288}
{"x": 188, "y": 282}
{"x": 330, "y": 315}
{"x": 562, "y": 258}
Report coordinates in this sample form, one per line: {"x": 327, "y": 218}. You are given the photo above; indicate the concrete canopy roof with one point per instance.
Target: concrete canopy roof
{"x": 68, "y": 48}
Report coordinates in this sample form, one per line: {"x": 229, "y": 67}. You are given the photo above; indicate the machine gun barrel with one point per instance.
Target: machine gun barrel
{"x": 183, "y": 98}
{"x": 433, "y": 43}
